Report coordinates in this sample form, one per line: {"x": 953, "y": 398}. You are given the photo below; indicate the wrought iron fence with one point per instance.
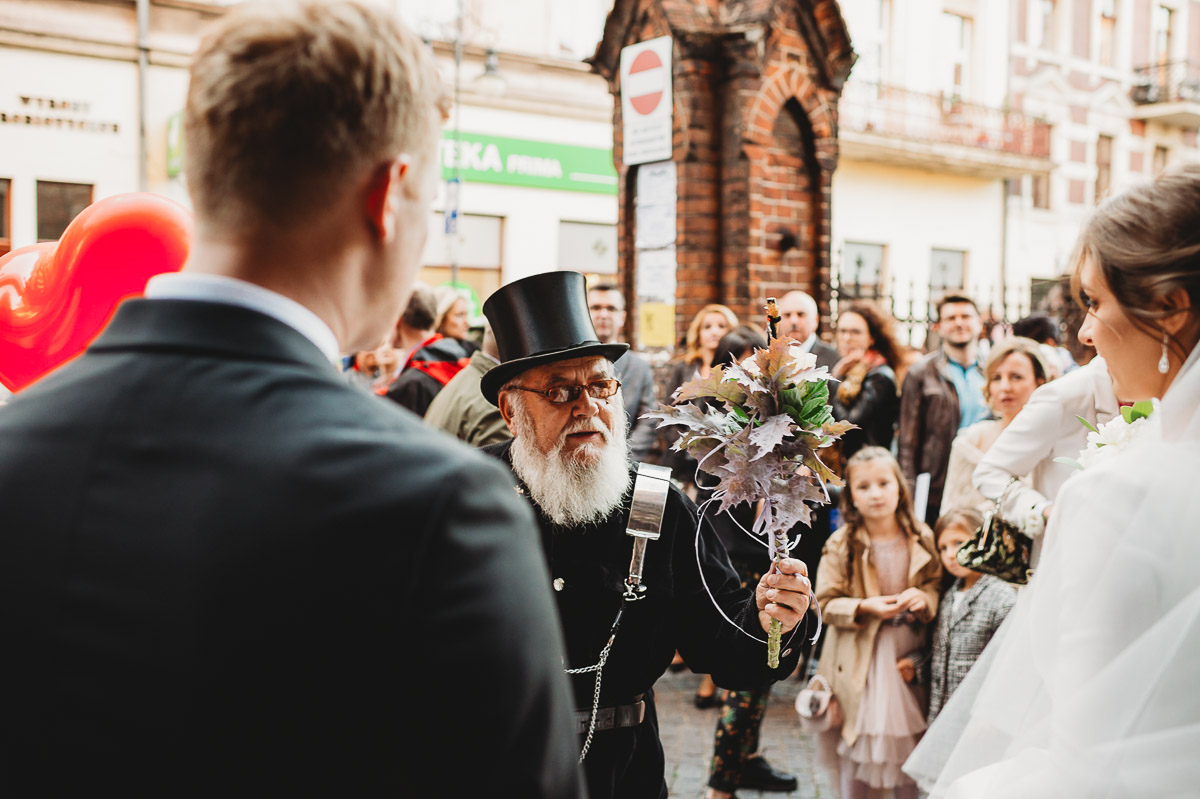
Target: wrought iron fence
{"x": 914, "y": 307}
{"x": 915, "y": 318}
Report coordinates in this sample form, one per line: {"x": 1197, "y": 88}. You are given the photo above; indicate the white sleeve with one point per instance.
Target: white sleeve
{"x": 1027, "y": 441}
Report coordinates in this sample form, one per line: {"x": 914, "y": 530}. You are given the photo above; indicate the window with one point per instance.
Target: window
{"x": 1164, "y": 24}
{"x": 587, "y": 247}
{"x": 1044, "y": 31}
{"x": 1162, "y": 157}
{"x": 477, "y": 249}
{"x": 871, "y": 23}
{"x": 57, "y": 205}
{"x": 1108, "y": 32}
{"x": 1104, "y": 146}
{"x": 862, "y": 270}
{"x": 1041, "y": 191}
{"x": 5, "y": 215}
{"x": 947, "y": 270}
{"x": 956, "y": 72}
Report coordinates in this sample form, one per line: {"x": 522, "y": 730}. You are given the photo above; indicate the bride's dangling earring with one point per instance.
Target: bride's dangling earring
{"x": 1164, "y": 365}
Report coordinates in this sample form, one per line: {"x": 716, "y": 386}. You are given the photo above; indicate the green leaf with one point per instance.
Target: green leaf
{"x": 1127, "y": 414}
{"x": 1074, "y": 464}
{"x": 1086, "y": 424}
{"x": 1140, "y": 410}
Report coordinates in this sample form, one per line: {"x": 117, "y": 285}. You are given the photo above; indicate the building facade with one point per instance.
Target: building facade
{"x": 91, "y": 99}
{"x": 976, "y": 135}
{"x": 972, "y": 136}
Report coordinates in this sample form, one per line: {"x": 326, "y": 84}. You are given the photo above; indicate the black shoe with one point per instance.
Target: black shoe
{"x": 759, "y": 775}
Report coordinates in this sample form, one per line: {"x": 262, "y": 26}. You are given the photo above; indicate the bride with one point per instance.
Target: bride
{"x": 1092, "y": 685}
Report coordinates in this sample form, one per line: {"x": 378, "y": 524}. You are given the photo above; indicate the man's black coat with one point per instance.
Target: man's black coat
{"x": 676, "y": 614}
{"x": 224, "y": 572}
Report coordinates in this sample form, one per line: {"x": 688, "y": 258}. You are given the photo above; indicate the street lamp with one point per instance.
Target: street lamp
{"x": 491, "y": 82}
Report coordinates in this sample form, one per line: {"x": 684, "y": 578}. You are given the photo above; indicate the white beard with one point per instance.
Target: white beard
{"x": 578, "y": 489}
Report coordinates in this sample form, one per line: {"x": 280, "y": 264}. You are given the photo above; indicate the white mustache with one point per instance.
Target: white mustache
{"x": 586, "y": 426}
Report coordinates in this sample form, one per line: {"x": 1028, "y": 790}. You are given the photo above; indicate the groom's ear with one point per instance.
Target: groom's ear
{"x": 1177, "y": 306}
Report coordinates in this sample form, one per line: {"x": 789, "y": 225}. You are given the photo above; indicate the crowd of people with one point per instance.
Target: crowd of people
{"x": 251, "y": 559}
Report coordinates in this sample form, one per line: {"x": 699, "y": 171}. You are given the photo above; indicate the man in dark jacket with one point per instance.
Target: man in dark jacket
{"x": 942, "y": 393}
{"x": 556, "y": 389}
{"x": 606, "y": 305}
{"x": 223, "y": 571}
{"x": 799, "y": 319}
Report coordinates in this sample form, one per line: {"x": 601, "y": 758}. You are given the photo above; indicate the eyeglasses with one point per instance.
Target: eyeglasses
{"x": 559, "y": 395}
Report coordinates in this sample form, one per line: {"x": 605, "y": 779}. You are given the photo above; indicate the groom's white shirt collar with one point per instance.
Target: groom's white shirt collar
{"x": 231, "y": 291}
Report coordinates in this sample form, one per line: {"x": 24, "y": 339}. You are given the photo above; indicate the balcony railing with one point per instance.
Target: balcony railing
{"x": 939, "y": 119}
{"x": 1178, "y": 81}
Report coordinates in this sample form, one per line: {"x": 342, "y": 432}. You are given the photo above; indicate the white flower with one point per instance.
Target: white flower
{"x": 1112, "y": 438}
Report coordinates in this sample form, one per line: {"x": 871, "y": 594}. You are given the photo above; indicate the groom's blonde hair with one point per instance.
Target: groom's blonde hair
{"x": 291, "y": 102}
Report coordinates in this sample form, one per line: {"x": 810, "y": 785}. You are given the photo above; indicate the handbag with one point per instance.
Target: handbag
{"x": 999, "y": 547}
{"x": 819, "y": 709}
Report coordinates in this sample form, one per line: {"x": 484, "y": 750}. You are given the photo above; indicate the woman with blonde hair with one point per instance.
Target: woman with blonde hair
{"x": 703, "y": 335}
{"x": 1014, "y": 368}
{"x": 453, "y": 314}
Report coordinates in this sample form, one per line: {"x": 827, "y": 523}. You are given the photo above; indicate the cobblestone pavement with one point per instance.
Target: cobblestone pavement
{"x": 687, "y": 736}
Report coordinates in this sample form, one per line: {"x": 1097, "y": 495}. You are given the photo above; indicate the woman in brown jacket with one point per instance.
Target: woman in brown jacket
{"x": 878, "y": 589}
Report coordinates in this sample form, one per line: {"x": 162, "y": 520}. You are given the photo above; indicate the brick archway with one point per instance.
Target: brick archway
{"x": 783, "y": 83}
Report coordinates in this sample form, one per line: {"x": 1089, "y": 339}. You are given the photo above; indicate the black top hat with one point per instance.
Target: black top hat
{"x": 538, "y": 320}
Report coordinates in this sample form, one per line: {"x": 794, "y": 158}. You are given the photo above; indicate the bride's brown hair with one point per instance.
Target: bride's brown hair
{"x": 1146, "y": 243}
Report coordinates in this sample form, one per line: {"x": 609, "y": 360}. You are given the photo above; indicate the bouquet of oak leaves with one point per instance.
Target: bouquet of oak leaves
{"x": 759, "y": 433}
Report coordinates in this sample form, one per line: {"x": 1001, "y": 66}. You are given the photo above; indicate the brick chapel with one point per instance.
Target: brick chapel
{"x": 754, "y": 92}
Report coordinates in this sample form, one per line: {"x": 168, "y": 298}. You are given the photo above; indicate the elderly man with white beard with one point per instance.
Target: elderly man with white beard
{"x": 555, "y": 387}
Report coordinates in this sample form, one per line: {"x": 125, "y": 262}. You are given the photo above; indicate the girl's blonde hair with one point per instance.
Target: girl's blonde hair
{"x": 967, "y": 518}
{"x": 693, "y": 332}
{"x": 852, "y": 519}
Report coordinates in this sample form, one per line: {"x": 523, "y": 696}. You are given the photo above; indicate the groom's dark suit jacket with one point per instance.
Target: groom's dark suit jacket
{"x": 224, "y": 572}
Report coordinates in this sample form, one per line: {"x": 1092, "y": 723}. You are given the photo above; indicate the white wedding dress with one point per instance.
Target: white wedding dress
{"x": 1092, "y": 686}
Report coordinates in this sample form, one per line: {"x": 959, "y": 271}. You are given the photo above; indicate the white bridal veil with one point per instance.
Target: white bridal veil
{"x": 1092, "y": 686}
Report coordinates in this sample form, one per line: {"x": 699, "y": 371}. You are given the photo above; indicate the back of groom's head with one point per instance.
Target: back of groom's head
{"x": 292, "y": 102}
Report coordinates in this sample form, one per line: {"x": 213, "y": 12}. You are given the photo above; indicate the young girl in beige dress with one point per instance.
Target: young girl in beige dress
{"x": 878, "y": 589}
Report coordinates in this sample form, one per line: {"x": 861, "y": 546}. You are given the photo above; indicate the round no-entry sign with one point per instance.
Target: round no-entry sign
{"x": 646, "y": 82}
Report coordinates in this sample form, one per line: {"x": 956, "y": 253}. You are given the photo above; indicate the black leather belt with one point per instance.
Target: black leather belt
{"x": 610, "y": 718}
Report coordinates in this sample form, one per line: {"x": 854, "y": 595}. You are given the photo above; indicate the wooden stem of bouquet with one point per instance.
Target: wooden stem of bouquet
{"x": 775, "y": 629}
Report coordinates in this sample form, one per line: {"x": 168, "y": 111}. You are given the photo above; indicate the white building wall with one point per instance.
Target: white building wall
{"x": 29, "y": 153}
{"x": 913, "y": 212}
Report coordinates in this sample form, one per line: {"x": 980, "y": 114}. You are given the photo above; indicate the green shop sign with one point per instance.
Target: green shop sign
{"x": 519, "y": 162}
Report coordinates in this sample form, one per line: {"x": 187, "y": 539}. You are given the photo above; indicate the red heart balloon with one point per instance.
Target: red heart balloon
{"x": 56, "y": 297}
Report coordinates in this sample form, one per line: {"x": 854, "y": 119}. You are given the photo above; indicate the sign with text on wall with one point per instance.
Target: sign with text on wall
{"x": 646, "y": 101}
{"x": 536, "y": 164}
{"x": 654, "y": 244}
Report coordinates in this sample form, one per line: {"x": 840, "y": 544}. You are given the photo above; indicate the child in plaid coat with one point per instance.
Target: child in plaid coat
{"x": 970, "y": 611}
